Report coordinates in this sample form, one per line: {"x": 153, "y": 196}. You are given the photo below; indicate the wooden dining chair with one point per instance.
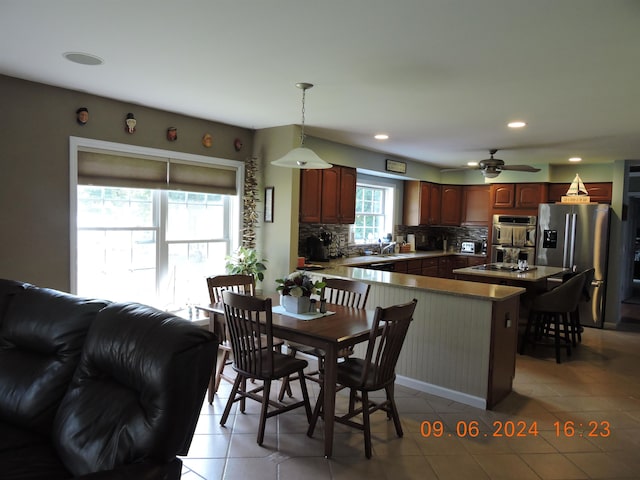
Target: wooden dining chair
{"x": 255, "y": 358}
{"x": 337, "y": 291}
{"x": 374, "y": 372}
{"x": 216, "y": 285}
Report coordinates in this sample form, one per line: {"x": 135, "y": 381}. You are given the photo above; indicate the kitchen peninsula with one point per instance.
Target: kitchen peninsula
{"x": 462, "y": 342}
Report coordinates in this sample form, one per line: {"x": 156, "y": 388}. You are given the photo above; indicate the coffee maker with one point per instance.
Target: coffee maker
{"x": 318, "y": 247}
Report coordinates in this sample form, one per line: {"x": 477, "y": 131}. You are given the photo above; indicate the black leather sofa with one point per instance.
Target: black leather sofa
{"x": 96, "y": 390}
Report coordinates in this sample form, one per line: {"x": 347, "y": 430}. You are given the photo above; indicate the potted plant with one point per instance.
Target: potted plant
{"x": 244, "y": 261}
{"x": 296, "y": 290}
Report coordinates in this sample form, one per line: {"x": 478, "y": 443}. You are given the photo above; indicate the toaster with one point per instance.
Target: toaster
{"x": 471, "y": 247}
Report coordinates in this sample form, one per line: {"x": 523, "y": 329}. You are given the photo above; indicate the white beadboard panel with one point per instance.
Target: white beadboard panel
{"x": 448, "y": 342}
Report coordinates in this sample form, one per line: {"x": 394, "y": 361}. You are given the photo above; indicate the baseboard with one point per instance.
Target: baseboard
{"x": 454, "y": 395}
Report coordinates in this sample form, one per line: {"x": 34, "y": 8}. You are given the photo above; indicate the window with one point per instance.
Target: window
{"x": 374, "y": 213}
{"x": 150, "y": 245}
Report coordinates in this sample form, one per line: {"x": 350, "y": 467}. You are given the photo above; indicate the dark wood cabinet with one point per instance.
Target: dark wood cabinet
{"x": 328, "y": 196}
{"x": 502, "y": 195}
{"x": 529, "y": 195}
{"x": 430, "y": 267}
{"x": 524, "y": 196}
{"x": 310, "y": 196}
{"x": 599, "y": 192}
{"x": 451, "y": 205}
{"x": 447, "y": 264}
{"x": 475, "y": 205}
{"x": 421, "y": 203}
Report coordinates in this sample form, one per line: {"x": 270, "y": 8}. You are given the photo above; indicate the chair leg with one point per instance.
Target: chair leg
{"x": 366, "y": 424}
{"x": 556, "y": 336}
{"x": 243, "y": 400}
{"x": 285, "y": 388}
{"x": 393, "y": 410}
{"x": 305, "y": 395}
{"x": 232, "y": 397}
{"x": 263, "y": 412}
{"x": 567, "y": 331}
{"x": 316, "y": 413}
{"x": 218, "y": 375}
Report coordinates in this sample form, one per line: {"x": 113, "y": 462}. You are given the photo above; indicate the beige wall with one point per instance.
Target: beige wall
{"x": 36, "y": 123}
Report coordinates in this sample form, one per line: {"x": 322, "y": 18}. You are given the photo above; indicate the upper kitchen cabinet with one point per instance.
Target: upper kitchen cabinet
{"x": 524, "y": 196}
{"x": 328, "y": 195}
{"x": 451, "y": 199}
{"x": 421, "y": 203}
{"x": 475, "y": 205}
{"x": 599, "y": 192}
{"x": 310, "y": 196}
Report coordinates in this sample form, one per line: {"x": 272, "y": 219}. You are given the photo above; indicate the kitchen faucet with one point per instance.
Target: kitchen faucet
{"x": 387, "y": 247}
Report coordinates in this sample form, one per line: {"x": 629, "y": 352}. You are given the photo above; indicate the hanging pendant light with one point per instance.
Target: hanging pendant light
{"x": 302, "y": 157}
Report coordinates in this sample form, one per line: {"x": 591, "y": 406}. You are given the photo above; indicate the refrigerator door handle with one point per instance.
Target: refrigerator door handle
{"x": 572, "y": 247}
{"x": 565, "y": 249}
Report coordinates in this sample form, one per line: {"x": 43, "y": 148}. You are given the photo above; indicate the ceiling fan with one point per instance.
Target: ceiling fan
{"x": 491, "y": 167}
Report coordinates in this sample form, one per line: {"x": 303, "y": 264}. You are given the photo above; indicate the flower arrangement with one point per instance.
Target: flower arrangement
{"x": 298, "y": 284}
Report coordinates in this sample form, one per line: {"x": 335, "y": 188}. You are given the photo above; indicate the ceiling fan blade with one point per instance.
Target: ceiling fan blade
{"x": 459, "y": 169}
{"x": 520, "y": 168}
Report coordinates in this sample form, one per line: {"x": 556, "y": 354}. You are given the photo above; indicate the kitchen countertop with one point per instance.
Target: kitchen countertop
{"x": 392, "y": 257}
{"x": 447, "y": 286}
{"x": 536, "y": 274}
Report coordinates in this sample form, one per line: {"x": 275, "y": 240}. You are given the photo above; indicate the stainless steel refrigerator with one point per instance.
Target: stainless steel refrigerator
{"x": 577, "y": 236}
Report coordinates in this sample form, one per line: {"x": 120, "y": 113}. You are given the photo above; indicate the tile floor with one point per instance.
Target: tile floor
{"x": 598, "y": 385}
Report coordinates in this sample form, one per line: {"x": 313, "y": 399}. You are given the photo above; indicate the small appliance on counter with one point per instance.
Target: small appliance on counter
{"x": 471, "y": 247}
{"x": 317, "y": 250}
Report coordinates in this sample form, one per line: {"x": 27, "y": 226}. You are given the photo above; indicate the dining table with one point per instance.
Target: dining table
{"x": 339, "y": 328}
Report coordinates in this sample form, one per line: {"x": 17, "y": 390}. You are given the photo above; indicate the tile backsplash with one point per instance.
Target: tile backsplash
{"x": 427, "y": 238}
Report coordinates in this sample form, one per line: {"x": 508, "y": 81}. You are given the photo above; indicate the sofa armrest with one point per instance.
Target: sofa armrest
{"x": 136, "y": 396}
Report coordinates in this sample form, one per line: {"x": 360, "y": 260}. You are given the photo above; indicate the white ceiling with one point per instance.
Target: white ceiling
{"x": 441, "y": 77}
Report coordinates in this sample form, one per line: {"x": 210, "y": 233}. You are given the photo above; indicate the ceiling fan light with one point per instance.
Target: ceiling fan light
{"x": 490, "y": 173}
{"x": 301, "y": 157}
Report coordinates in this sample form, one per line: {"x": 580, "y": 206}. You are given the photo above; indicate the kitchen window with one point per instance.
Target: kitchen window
{"x": 374, "y": 213}
{"x": 137, "y": 242}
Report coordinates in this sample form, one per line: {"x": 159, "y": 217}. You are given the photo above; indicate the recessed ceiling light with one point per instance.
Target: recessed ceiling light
{"x": 83, "y": 58}
{"x": 472, "y": 164}
{"x": 516, "y": 124}
{"x": 575, "y": 159}
{"x": 381, "y": 136}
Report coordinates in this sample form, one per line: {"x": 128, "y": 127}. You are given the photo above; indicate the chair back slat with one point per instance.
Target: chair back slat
{"x": 348, "y": 293}
{"x": 387, "y": 336}
{"x": 251, "y": 342}
{"x": 233, "y": 283}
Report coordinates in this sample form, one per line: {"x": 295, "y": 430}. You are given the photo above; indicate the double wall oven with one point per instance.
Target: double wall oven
{"x": 513, "y": 238}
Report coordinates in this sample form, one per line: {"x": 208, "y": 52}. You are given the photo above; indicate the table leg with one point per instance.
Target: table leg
{"x": 329, "y": 406}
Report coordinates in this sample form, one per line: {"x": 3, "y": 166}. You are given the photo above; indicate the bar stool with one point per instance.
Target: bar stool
{"x": 551, "y": 310}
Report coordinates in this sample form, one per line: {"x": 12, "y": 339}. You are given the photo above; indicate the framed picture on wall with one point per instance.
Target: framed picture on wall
{"x": 268, "y": 204}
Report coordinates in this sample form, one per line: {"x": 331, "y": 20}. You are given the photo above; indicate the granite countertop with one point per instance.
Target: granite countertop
{"x": 535, "y": 274}
{"x": 392, "y": 257}
{"x": 486, "y": 291}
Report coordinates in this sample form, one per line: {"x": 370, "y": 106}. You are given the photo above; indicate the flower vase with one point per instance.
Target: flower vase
{"x": 295, "y": 304}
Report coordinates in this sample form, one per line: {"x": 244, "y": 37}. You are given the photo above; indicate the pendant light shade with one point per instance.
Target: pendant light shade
{"x": 302, "y": 157}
